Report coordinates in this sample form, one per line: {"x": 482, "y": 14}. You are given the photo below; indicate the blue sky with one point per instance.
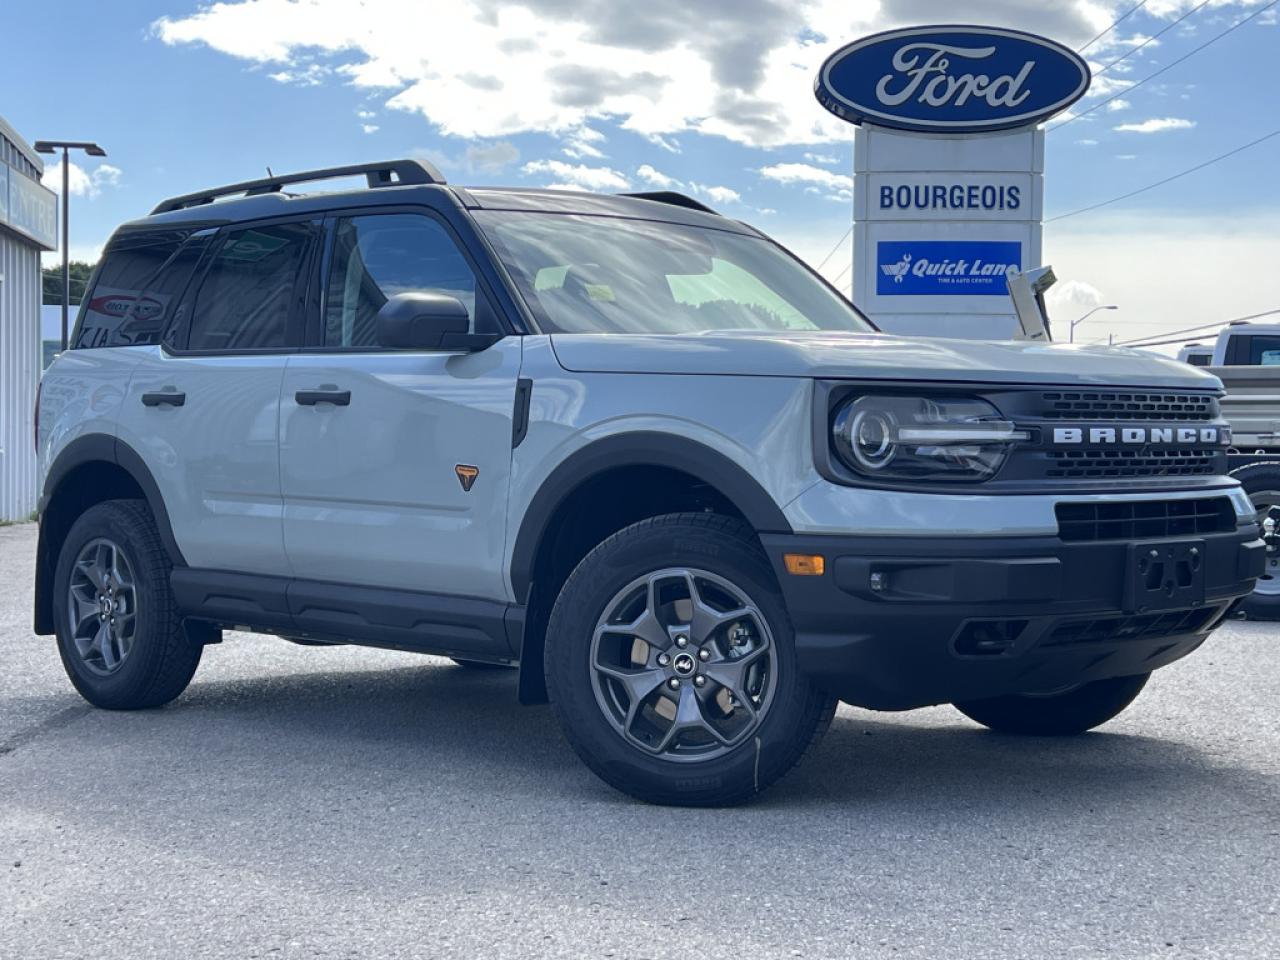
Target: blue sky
{"x": 610, "y": 94}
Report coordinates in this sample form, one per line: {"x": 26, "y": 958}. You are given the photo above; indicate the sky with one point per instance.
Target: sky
{"x": 714, "y": 98}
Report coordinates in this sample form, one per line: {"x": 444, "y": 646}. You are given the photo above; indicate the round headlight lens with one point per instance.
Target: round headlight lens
{"x": 871, "y": 438}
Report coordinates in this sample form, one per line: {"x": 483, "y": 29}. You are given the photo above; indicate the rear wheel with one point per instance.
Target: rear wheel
{"x": 119, "y": 635}
{"x": 1261, "y": 481}
{"x": 671, "y": 665}
{"x": 1057, "y": 714}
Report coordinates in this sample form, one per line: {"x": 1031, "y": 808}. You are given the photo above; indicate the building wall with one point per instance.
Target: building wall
{"x": 19, "y": 374}
{"x": 28, "y": 224}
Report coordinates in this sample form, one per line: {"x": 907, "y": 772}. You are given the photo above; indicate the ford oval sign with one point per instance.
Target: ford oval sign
{"x": 951, "y": 79}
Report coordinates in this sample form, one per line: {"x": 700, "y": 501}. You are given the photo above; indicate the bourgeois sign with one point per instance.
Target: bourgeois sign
{"x": 951, "y": 79}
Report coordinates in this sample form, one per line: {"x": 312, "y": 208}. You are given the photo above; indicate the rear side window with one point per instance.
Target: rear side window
{"x": 134, "y": 292}
{"x": 249, "y": 293}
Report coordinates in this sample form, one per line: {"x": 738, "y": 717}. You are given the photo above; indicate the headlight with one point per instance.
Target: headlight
{"x": 923, "y": 438}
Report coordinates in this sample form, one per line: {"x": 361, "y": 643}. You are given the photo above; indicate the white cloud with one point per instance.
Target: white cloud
{"x": 1126, "y": 156}
{"x": 492, "y": 157}
{"x": 578, "y": 175}
{"x": 742, "y": 70}
{"x": 806, "y": 173}
{"x": 365, "y": 114}
{"x": 1118, "y": 104}
{"x": 716, "y": 194}
{"x": 82, "y": 183}
{"x": 582, "y": 143}
{"x": 1156, "y": 125}
{"x": 1087, "y": 142}
{"x": 822, "y": 158}
{"x": 369, "y": 127}
{"x": 657, "y": 178}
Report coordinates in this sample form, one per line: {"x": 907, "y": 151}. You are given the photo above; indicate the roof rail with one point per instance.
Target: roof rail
{"x": 673, "y": 198}
{"x": 388, "y": 173}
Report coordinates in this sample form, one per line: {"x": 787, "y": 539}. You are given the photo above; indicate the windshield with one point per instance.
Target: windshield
{"x": 592, "y": 274}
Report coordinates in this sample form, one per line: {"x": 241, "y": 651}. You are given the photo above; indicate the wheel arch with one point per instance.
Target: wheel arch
{"x": 673, "y": 473}
{"x": 89, "y": 470}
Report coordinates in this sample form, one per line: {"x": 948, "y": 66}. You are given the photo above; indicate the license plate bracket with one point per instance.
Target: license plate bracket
{"x": 1165, "y": 575}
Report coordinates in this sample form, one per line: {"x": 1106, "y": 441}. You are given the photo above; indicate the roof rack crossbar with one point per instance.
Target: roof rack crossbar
{"x": 673, "y": 198}
{"x": 388, "y": 173}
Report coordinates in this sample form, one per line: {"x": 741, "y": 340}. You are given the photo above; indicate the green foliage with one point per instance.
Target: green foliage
{"x": 80, "y": 272}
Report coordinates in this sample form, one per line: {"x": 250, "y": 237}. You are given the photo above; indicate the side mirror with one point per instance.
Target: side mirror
{"x": 427, "y": 321}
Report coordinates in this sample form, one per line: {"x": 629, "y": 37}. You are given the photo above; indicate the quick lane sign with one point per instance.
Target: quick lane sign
{"x": 946, "y": 79}
{"x": 945, "y": 267}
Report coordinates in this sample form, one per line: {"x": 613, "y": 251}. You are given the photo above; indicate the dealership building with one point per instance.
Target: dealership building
{"x": 28, "y": 226}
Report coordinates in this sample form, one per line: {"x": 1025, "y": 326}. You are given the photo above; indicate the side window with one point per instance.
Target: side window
{"x": 127, "y": 305}
{"x": 248, "y": 294}
{"x": 376, "y": 257}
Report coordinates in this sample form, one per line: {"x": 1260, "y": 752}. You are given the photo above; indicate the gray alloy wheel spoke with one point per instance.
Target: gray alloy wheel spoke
{"x": 733, "y": 673}
{"x": 689, "y": 717}
{"x": 687, "y": 721}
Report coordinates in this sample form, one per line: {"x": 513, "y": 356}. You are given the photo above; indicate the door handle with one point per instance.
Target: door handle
{"x": 309, "y": 398}
{"x": 158, "y": 398}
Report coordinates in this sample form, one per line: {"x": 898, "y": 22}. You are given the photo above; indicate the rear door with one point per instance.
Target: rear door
{"x": 203, "y": 407}
{"x": 395, "y": 464}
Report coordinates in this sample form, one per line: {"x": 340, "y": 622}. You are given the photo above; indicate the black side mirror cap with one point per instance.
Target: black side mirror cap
{"x": 420, "y": 320}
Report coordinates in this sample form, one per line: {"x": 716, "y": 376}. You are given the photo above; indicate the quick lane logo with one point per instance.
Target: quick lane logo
{"x": 1138, "y": 436}
{"x": 945, "y": 267}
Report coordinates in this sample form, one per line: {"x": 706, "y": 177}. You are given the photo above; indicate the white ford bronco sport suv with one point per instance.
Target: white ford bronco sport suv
{"x": 634, "y": 447}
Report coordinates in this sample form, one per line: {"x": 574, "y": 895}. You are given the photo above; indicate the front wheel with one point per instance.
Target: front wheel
{"x": 1057, "y": 714}
{"x": 671, "y": 664}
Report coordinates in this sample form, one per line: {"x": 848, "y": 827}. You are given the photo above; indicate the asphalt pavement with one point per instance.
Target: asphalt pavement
{"x": 346, "y": 802}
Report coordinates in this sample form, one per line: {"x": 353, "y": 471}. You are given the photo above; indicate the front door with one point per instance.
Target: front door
{"x": 395, "y": 465}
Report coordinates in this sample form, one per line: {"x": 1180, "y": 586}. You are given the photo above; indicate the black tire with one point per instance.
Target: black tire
{"x": 161, "y": 659}
{"x": 481, "y": 665}
{"x": 1057, "y": 715}
{"x": 793, "y": 718}
{"x": 1261, "y": 481}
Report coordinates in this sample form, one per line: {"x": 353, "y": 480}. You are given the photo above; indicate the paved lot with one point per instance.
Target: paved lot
{"x": 340, "y": 802}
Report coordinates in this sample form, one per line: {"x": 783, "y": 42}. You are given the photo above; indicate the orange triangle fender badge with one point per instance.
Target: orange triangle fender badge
{"x": 466, "y": 475}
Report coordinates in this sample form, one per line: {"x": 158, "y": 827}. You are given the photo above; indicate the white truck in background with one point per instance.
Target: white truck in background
{"x": 1246, "y": 358}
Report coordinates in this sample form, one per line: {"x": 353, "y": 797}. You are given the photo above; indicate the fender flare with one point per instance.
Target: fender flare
{"x": 641, "y": 448}
{"x": 93, "y": 448}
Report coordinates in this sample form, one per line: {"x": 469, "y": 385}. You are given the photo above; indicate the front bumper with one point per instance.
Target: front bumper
{"x": 902, "y": 622}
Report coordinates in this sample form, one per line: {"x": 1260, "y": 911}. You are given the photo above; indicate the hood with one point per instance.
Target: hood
{"x": 872, "y": 356}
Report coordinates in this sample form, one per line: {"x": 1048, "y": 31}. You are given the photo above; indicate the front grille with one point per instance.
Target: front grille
{"x": 1145, "y": 519}
{"x": 1128, "y": 405}
{"x": 1074, "y": 464}
{"x": 1146, "y": 626}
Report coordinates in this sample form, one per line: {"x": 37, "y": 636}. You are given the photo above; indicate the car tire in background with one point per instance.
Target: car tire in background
{"x": 118, "y": 631}
{"x": 1057, "y": 714}
{"x": 671, "y": 664}
{"x": 1261, "y": 481}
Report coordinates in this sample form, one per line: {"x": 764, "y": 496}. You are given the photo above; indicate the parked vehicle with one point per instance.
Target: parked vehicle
{"x": 1246, "y": 358}
{"x": 1196, "y": 354}
{"x": 632, "y": 446}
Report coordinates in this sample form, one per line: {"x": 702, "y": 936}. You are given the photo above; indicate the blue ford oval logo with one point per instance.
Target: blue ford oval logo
{"x": 951, "y": 79}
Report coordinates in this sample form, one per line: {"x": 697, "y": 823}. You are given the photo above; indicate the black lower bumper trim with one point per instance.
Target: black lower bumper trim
{"x": 897, "y": 623}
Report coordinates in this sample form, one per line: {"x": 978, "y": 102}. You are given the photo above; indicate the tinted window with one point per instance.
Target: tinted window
{"x": 375, "y": 258}
{"x": 1199, "y": 360}
{"x": 132, "y": 297}
{"x": 248, "y": 294}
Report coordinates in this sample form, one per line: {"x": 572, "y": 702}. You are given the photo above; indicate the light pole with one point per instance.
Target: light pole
{"x": 93, "y": 150}
{"x": 1071, "y": 336}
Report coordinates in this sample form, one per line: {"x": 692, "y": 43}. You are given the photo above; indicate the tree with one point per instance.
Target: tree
{"x": 80, "y": 272}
